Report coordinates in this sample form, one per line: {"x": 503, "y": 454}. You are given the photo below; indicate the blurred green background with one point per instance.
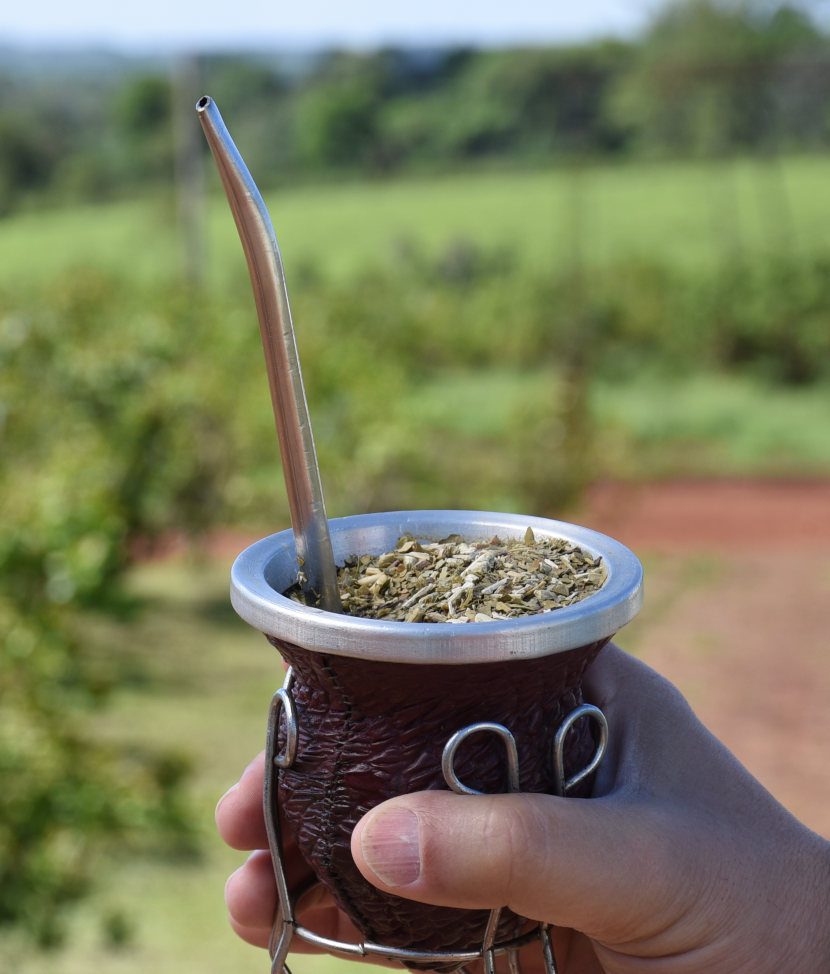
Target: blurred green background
{"x": 513, "y": 272}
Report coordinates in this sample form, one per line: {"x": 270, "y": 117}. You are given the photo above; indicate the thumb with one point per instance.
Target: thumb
{"x": 599, "y": 866}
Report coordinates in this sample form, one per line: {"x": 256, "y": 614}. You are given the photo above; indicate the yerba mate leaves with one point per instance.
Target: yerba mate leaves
{"x": 453, "y": 580}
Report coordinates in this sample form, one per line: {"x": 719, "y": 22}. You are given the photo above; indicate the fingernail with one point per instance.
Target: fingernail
{"x": 390, "y": 845}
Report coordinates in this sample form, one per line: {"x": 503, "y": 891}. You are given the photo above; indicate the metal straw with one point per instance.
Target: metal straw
{"x": 299, "y": 458}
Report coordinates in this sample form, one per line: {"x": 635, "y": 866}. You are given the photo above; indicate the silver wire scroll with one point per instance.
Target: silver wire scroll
{"x": 285, "y": 928}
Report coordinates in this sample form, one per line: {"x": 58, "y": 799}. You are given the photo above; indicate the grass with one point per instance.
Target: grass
{"x": 711, "y": 424}
{"x": 714, "y": 424}
{"x": 690, "y": 213}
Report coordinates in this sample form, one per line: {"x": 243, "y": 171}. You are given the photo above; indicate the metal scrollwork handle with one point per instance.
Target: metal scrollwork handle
{"x": 562, "y": 785}
{"x": 451, "y": 748}
{"x": 283, "y": 702}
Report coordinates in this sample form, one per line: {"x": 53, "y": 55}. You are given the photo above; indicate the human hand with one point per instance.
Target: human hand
{"x": 681, "y": 863}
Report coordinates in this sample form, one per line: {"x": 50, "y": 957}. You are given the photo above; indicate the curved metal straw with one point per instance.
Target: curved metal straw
{"x": 299, "y": 458}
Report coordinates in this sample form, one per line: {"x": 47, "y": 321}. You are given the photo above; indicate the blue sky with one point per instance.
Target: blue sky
{"x": 182, "y": 24}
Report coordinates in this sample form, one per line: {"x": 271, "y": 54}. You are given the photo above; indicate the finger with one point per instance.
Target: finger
{"x": 251, "y": 899}
{"x": 254, "y": 936}
{"x": 577, "y": 864}
{"x": 250, "y": 892}
{"x": 239, "y": 816}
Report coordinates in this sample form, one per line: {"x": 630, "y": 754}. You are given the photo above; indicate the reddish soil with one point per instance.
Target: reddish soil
{"x": 693, "y": 515}
{"x": 737, "y": 612}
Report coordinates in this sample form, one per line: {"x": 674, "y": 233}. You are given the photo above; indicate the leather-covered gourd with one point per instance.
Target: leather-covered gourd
{"x": 370, "y": 730}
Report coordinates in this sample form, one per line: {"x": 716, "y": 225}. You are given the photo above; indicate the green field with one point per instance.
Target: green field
{"x": 692, "y": 214}
{"x": 653, "y": 242}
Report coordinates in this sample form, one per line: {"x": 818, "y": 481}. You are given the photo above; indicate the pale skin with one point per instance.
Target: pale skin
{"x": 682, "y": 862}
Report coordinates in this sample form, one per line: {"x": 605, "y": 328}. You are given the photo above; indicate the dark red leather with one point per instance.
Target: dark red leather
{"x": 369, "y": 731}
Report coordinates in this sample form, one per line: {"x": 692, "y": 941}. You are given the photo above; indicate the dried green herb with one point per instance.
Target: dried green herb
{"x": 453, "y": 580}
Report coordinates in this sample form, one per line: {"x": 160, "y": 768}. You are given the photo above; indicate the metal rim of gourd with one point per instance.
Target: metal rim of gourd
{"x": 267, "y": 568}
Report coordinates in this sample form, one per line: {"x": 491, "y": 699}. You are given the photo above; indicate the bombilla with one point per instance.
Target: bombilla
{"x": 312, "y": 540}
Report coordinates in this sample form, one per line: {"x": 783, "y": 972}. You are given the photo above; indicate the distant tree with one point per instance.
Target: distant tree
{"x": 521, "y": 103}
{"x": 24, "y": 167}
{"x": 239, "y": 81}
{"x": 142, "y": 113}
{"x": 799, "y": 81}
{"x": 703, "y": 78}
{"x": 336, "y": 112}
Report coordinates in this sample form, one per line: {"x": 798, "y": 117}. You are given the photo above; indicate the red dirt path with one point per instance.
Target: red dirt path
{"x": 737, "y": 612}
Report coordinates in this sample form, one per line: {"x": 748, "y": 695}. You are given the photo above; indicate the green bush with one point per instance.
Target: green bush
{"x": 91, "y": 463}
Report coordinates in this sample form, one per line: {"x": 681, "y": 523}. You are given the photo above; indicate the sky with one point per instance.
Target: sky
{"x": 147, "y": 25}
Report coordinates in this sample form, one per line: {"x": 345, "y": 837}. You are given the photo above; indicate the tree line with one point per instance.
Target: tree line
{"x": 706, "y": 77}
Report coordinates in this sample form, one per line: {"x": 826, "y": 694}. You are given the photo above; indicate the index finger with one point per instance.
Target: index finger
{"x": 239, "y": 816}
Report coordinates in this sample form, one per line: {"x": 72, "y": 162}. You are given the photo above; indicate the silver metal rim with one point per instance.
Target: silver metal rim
{"x": 268, "y": 567}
